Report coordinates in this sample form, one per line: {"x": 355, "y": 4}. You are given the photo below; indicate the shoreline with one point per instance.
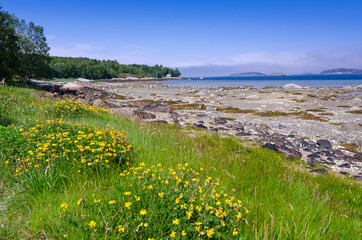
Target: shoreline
{"x": 320, "y": 125}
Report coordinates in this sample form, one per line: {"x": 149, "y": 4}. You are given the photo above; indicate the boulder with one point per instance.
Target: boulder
{"x": 72, "y": 87}
{"x": 292, "y": 86}
{"x": 143, "y": 115}
{"x": 348, "y": 127}
{"x": 286, "y": 151}
{"x": 324, "y": 143}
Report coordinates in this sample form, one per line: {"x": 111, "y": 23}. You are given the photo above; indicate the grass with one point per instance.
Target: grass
{"x": 284, "y": 201}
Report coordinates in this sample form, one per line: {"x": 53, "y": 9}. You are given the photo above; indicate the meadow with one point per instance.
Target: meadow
{"x": 73, "y": 171}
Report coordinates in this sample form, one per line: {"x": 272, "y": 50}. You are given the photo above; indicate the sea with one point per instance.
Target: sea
{"x": 326, "y": 81}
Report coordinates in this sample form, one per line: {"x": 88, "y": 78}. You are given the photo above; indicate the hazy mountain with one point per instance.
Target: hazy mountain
{"x": 247, "y": 74}
{"x": 342, "y": 71}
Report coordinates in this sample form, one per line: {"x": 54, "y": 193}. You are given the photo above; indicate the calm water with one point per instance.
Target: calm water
{"x": 276, "y": 81}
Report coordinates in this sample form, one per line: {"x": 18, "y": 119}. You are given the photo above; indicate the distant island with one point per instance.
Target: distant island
{"x": 247, "y": 74}
{"x": 342, "y": 71}
{"x": 325, "y": 72}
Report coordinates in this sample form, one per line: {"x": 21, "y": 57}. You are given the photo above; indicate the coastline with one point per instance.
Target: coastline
{"x": 320, "y": 125}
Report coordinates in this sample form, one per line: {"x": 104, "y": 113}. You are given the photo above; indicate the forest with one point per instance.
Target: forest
{"x": 68, "y": 67}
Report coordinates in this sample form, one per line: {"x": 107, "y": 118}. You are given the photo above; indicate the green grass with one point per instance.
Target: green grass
{"x": 284, "y": 200}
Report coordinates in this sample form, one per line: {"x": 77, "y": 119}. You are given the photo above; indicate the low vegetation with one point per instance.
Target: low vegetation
{"x": 82, "y": 173}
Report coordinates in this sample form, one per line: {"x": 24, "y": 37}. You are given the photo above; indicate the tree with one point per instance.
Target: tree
{"x": 8, "y": 46}
{"x": 34, "y": 51}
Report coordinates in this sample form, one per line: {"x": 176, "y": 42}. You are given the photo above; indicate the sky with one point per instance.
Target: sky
{"x": 203, "y": 37}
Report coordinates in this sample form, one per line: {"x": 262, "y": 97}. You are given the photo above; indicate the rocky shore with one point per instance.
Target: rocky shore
{"x": 323, "y": 126}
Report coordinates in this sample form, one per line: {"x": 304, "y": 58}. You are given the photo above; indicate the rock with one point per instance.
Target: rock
{"x": 242, "y": 134}
{"x": 50, "y": 95}
{"x": 72, "y": 87}
{"x": 262, "y": 128}
{"x": 324, "y": 143}
{"x": 344, "y": 173}
{"x": 201, "y": 126}
{"x": 101, "y": 103}
{"x": 236, "y": 127}
{"x": 270, "y": 146}
{"x": 211, "y": 108}
{"x": 253, "y": 97}
{"x": 350, "y": 127}
{"x": 84, "y": 80}
{"x": 154, "y": 107}
{"x": 319, "y": 170}
{"x": 286, "y": 151}
{"x": 345, "y": 165}
{"x": 220, "y": 120}
{"x": 143, "y": 115}
{"x": 358, "y": 157}
{"x": 313, "y": 156}
{"x": 357, "y": 177}
{"x": 291, "y": 86}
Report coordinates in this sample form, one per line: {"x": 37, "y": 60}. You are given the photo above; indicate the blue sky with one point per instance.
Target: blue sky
{"x": 204, "y": 37}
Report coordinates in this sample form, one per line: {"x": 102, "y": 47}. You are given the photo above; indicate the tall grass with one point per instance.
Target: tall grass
{"x": 283, "y": 199}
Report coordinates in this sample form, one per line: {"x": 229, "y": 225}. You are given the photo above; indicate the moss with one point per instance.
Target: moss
{"x": 315, "y": 110}
{"x": 297, "y": 93}
{"x": 336, "y": 124}
{"x": 355, "y": 112}
{"x": 325, "y": 114}
{"x": 352, "y": 147}
{"x": 344, "y": 106}
{"x": 229, "y": 119}
{"x": 235, "y": 110}
{"x": 298, "y": 100}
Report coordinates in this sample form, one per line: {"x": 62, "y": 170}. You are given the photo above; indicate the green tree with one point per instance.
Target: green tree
{"x": 34, "y": 51}
{"x": 8, "y": 47}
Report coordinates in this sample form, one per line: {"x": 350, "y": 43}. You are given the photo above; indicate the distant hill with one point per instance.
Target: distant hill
{"x": 247, "y": 74}
{"x": 342, "y": 71}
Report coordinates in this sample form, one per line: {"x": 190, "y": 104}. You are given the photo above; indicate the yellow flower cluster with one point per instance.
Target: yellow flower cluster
{"x": 71, "y": 106}
{"x": 74, "y": 146}
{"x": 171, "y": 200}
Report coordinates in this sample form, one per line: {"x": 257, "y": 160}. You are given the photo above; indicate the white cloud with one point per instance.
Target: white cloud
{"x": 78, "y": 50}
{"x": 271, "y": 62}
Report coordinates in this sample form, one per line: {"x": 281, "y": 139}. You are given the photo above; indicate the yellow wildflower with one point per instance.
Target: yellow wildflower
{"x": 64, "y": 206}
{"x": 127, "y": 193}
{"x": 79, "y": 201}
{"x": 112, "y": 202}
{"x": 143, "y": 212}
{"x": 173, "y": 234}
{"x": 120, "y": 228}
{"x": 176, "y": 221}
{"x": 235, "y": 232}
{"x": 238, "y": 216}
{"x": 183, "y": 233}
{"x": 92, "y": 224}
{"x": 97, "y": 201}
{"x": 210, "y": 232}
{"x": 127, "y": 204}
{"x": 161, "y": 194}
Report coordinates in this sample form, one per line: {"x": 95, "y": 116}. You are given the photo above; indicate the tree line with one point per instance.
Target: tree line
{"x": 68, "y": 67}
{"x": 24, "y": 54}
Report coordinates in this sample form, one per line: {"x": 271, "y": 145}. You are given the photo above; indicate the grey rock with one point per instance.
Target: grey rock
{"x": 345, "y": 165}
{"x": 357, "y": 177}
{"x": 220, "y": 120}
{"x": 201, "y": 126}
{"x": 324, "y": 143}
